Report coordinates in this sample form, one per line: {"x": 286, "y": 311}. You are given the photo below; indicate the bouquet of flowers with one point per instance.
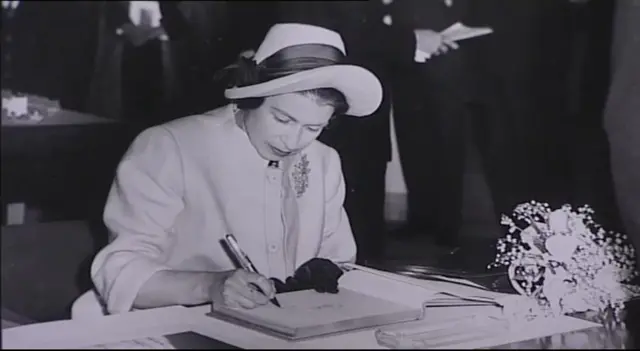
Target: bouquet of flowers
{"x": 565, "y": 262}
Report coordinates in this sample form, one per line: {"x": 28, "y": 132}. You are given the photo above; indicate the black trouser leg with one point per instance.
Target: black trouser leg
{"x": 364, "y": 203}
{"x": 142, "y": 84}
{"x": 363, "y": 145}
{"x": 430, "y": 133}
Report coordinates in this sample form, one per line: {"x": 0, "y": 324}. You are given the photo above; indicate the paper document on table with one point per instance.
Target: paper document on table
{"x": 459, "y": 31}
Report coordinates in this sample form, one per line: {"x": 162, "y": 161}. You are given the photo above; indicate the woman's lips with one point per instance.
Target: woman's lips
{"x": 280, "y": 152}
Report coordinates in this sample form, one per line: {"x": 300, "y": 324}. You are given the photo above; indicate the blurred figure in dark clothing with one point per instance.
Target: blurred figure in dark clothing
{"x": 506, "y": 87}
{"x": 208, "y": 36}
{"x": 622, "y": 120}
{"x": 149, "y": 75}
{"x": 134, "y": 77}
{"x": 589, "y": 80}
{"x": 431, "y": 105}
{"x": 550, "y": 60}
{"x": 47, "y": 49}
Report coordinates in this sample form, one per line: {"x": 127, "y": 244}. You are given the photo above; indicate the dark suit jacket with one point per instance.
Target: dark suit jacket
{"x": 210, "y": 35}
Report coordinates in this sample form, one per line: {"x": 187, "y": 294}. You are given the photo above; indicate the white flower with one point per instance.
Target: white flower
{"x": 607, "y": 279}
{"x": 562, "y": 247}
{"x": 555, "y": 289}
{"x": 576, "y": 225}
{"x": 559, "y": 221}
{"x": 575, "y": 302}
{"x": 528, "y": 236}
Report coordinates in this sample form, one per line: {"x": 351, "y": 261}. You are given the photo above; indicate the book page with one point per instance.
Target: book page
{"x": 309, "y": 309}
{"x": 385, "y": 287}
{"x": 409, "y": 289}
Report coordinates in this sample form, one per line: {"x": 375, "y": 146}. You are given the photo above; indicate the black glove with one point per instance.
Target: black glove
{"x": 319, "y": 274}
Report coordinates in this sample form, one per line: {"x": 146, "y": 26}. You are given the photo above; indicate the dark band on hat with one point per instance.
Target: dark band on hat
{"x": 284, "y": 62}
{"x": 298, "y": 58}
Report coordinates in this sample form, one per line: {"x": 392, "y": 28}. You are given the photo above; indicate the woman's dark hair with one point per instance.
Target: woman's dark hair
{"x": 290, "y": 60}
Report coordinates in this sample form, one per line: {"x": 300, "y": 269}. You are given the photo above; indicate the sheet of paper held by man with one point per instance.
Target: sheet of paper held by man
{"x": 454, "y": 33}
{"x": 459, "y": 31}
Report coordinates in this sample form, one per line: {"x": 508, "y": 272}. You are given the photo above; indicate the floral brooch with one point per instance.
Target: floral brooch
{"x": 300, "y": 175}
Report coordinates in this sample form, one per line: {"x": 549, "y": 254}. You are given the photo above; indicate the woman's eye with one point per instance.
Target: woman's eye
{"x": 314, "y": 129}
{"x": 283, "y": 121}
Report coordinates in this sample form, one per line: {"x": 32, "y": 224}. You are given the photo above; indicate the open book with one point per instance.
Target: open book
{"x": 367, "y": 298}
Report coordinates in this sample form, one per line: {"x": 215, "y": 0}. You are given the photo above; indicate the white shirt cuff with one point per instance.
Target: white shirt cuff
{"x": 421, "y": 56}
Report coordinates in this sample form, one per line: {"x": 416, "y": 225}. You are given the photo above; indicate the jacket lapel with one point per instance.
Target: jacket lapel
{"x": 291, "y": 219}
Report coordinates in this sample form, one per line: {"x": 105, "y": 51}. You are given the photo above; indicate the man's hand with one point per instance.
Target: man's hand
{"x": 248, "y": 54}
{"x": 433, "y": 43}
{"x": 139, "y": 35}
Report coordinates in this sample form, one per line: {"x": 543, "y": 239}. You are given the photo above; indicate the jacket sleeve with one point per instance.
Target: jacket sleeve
{"x": 141, "y": 207}
{"x": 338, "y": 244}
{"x": 116, "y": 14}
{"x": 188, "y": 22}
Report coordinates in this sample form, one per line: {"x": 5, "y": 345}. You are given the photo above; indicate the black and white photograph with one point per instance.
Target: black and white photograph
{"x": 361, "y": 174}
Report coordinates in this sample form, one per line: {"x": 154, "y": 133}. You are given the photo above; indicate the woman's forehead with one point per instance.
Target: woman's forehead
{"x": 304, "y": 108}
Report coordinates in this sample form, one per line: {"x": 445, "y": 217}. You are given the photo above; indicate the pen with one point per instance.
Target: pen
{"x": 245, "y": 262}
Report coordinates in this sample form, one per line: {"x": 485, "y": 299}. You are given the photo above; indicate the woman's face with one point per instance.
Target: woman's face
{"x": 285, "y": 124}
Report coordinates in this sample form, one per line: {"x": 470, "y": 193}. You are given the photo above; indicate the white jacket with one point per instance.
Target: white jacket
{"x": 183, "y": 185}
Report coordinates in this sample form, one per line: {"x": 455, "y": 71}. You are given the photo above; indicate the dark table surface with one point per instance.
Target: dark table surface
{"x": 471, "y": 260}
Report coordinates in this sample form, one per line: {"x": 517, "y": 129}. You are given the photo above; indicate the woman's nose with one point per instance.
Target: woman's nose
{"x": 292, "y": 139}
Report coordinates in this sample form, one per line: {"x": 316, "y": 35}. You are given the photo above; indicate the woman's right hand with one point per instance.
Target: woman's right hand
{"x": 236, "y": 290}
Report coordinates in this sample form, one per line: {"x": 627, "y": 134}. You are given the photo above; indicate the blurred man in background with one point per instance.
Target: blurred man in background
{"x": 157, "y": 60}
{"x": 622, "y": 119}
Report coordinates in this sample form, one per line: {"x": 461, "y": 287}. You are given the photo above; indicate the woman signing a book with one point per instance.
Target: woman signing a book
{"x": 252, "y": 169}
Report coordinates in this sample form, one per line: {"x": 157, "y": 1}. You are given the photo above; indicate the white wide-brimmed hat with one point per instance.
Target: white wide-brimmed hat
{"x": 361, "y": 88}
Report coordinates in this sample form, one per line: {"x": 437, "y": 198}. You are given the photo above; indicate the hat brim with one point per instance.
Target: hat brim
{"x": 361, "y": 88}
